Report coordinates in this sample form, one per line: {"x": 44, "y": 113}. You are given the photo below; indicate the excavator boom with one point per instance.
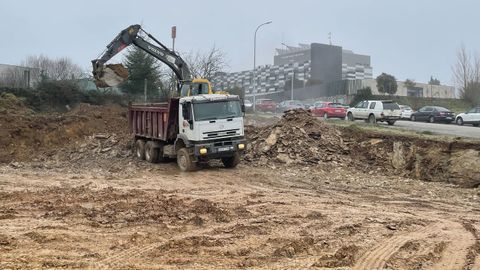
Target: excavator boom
{"x": 112, "y": 75}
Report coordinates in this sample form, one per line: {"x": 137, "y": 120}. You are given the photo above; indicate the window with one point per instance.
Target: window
{"x": 217, "y": 110}
{"x": 390, "y": 106}
{"x": 372, "y": 105}
{"x": 360, "y": 104}
{"x": 428, "y": 109}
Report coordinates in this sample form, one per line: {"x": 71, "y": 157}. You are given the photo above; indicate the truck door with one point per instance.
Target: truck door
{"x": 186, "y": 123}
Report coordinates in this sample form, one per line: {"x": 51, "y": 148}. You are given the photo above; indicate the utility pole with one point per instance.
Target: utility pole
{"x": 330, "y": 38}
{"x": 145, "y": 90}
{"x": 174, "y": 35}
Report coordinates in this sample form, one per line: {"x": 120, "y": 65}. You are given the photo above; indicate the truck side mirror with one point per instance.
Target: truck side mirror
{"x": 243, "y": 108}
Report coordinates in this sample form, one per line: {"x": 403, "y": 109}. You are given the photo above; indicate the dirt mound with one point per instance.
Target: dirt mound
{"x": 298, "y": 138}
{"x": 10, "y": 104}
{"x": 25, "y": 137}
{"x": 113, "y": 207}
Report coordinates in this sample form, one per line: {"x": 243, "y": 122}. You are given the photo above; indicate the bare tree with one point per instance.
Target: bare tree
{"x": 466, "y": 73}
{"x": 206, "y": 65}
{"x": 55, "y": 69}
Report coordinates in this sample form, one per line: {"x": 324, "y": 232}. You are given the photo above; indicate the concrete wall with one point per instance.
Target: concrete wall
{"x": 17, "y": 76}
{"x": 421, "y": 89}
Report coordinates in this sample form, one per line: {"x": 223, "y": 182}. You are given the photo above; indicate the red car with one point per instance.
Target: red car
{"x": 329, "y": 110}
{"x": 266, "y": 105}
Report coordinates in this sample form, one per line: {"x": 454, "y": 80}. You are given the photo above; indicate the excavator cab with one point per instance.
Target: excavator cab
{"x": 196, "y": 87}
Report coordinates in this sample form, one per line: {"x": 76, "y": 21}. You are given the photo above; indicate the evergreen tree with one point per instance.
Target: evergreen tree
{"x": 386, "y": 83}
{"x": 142, "y": 66}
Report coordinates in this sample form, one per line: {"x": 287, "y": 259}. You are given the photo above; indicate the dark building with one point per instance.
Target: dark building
{"x": 316, "y": 66}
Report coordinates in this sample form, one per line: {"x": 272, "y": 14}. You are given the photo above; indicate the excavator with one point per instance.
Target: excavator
{"x": 108, "y": 75}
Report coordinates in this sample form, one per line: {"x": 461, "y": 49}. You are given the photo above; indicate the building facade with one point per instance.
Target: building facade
{"x": 313, "y": 64}
{"x": 17, "y": 76}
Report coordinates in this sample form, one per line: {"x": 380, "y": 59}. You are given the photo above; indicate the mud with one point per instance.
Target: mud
{"x": 354, "y": 202}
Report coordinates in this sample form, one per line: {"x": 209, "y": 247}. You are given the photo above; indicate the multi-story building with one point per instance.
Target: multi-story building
{"x": 312, "y": 65}
{"x": 17, "y": 76}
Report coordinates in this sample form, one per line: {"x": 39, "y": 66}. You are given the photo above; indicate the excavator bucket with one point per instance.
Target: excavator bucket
{"x": 110, "y": 75}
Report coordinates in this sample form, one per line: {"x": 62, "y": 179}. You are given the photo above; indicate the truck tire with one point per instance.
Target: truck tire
{"x": 391, "y": 122}
{"x": 231, "y": 162}
{"x": 350, "y": 117}
{"x": 151, "y": 152}
{"x": 371, "y": 119}
{"x": 185, "y": 160}
{"x": 140, "y": 149}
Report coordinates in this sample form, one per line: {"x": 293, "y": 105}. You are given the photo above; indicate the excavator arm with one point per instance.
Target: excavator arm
{"x": 112, "y": 75}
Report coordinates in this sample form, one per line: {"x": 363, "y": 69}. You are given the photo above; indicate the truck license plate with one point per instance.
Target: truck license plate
{"x": 223, "y": 149}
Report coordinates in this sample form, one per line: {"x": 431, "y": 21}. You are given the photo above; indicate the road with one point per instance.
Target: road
{"x": 467, "y": 131}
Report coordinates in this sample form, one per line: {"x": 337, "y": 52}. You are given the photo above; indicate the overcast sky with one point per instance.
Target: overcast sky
{"x": 409, "y": 38}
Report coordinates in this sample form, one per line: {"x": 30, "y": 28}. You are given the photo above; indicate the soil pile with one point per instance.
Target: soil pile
{"x": 298, "y": 138}
{"x": 25, "y": 135}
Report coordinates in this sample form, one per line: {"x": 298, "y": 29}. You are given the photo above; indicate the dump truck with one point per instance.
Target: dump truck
{"x": 192, "y": 129}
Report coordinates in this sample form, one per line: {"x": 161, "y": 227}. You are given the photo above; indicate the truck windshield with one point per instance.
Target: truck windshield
{"x": 217, "y": 110}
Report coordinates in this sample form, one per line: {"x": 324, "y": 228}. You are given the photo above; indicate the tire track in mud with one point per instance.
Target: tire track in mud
{"x": 379, "y": 254}
{"x": 458, "y": 240}
{"x": 472, "y": 259}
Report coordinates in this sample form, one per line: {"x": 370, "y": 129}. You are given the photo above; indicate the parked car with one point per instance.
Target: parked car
{"x": 308, "y": 105}
{"x": 433, "y": 114}
{"x": 470, "y": 117}
{"x": 248, "y": 105}
{"x": 406, "y": 112}
{"x": 290, "y": 104}
{"x": 375, "y": 110}
{"x": 265, "y": 105}
{"x": 329, "y": 110}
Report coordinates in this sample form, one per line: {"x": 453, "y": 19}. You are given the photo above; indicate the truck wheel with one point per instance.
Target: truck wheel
{"x": 391, "y": 123}
{"x": 185, "y": 161}
{"x": 371, "y": 119}
{"x": 460, "y": 121}
{"x": 350, "y": 116}
{"x": 151, "y": 152}
{"x": 140, "y": 149}
{"x": 231, "y": 162}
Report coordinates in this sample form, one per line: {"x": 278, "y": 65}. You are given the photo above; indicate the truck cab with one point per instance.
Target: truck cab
{"x": 193, "y": 129}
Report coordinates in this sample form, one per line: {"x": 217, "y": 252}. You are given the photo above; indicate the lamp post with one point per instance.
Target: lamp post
{"x": 255, "y": 64}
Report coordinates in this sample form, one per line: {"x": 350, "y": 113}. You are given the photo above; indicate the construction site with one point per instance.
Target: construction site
{"x": 160, "y": 156}
{"x": 307, "y": 195}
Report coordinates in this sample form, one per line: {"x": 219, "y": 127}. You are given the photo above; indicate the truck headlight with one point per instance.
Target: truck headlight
{"x": 203, "y": 151}
{"x": 241, "y": 146}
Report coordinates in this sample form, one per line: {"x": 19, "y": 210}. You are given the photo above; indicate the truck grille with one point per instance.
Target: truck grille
{"x": 221, "y": 133}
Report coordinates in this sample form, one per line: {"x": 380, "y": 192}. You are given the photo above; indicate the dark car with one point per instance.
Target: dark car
{"x": 289, "y": 105}
{"x": 433, "y": 114}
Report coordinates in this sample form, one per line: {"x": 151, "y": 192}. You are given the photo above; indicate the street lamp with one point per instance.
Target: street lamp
{"x": 293, "y": 73}
{"x": 255, "y": 64}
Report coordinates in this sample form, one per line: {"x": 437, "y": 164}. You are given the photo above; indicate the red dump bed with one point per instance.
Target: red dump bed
{"x": 154, "y": 120}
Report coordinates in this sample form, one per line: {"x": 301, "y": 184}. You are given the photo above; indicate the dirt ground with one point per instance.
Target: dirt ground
{"x": 89, "y": 204}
